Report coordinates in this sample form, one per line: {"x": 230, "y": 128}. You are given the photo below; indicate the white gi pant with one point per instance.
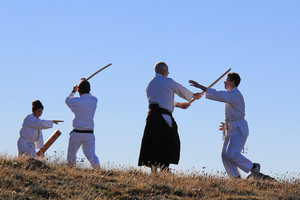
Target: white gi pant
{"x": 26, "y": 148}
{"x": 87, "y": 141}
{"x": 232, "y": 157}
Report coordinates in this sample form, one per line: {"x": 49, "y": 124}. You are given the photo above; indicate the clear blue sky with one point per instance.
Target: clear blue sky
{"x": 47, "y": 46}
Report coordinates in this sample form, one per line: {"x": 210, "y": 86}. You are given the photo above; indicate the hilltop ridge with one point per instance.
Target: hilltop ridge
{"x": 35, "y": 179}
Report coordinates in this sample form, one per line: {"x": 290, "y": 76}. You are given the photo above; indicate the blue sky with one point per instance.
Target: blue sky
{"x": 47, "y": 46}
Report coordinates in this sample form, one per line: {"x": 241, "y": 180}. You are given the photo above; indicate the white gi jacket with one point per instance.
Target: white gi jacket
{"x": 84, "y": 108}
{"x": 31, "y": 130}
{"x": 234, "y": 110}
{"x": 161, "y": 90}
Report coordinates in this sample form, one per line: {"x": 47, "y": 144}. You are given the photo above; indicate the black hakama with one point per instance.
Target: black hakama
{"x": 160, "y": 144}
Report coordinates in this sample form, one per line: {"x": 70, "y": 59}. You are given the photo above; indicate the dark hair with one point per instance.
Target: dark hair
{"x": 159, "y": 66}
{"x": 37, "y": 105}
{"x": 234, "y": 77}
{"x": 84, "y": 87}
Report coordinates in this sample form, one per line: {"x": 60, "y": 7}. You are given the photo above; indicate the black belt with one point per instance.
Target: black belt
{"x": 83, "y": 131}
{"x": 155, "y": 107}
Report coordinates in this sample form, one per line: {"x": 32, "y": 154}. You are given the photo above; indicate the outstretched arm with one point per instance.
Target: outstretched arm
{"x": 56, "y": 121}
{"x": 197, "y": 85}
{"x": 182, "y": 105}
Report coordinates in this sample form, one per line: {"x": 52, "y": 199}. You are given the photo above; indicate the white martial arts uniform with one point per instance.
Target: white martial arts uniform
{"x": 237, "y": 130}
{"x": 161, "y": 90}
{"x": 84, "y": 108}
{"x": 31, "y": 136}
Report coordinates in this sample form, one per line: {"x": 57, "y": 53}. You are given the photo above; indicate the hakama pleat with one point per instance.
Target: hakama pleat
{"x": 160, "y": 144}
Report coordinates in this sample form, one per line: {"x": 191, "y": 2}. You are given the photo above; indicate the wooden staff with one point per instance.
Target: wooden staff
{"x": 49, "y": 142}
{"x": 191, "y": 101}
{"x": 98, "y": 71}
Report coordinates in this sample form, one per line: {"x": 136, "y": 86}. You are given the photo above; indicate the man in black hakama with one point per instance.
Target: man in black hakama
{"x": 161, "y": 144}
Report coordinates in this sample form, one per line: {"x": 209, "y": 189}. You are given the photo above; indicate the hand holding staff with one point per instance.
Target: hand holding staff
{"x": 49, "y": 142}
{"x": 75, "y": 88}
{"x": 194, "y": 83}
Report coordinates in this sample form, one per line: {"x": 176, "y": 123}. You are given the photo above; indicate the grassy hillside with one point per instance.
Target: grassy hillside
{"x": 31, "y": 179}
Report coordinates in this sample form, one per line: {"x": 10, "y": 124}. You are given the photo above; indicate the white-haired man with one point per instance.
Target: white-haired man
{"x": 161, "y": 144}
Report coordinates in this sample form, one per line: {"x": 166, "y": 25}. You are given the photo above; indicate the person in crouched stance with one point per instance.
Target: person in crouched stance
{"x": 235, "y": 127}
{"x": 31, "y": 137}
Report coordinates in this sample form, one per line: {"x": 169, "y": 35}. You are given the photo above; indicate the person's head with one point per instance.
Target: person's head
{"x": 233, "y": 80}
{"x": 84, "y": 87}
{"x": 37, "y": 108}
{"x": 161, "y": 68}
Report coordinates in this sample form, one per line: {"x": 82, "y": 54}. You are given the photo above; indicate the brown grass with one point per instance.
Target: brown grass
{"x": 31, "y": 179}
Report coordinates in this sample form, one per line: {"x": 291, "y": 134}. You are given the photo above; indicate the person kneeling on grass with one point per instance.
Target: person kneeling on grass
{"x": 31, "y": 136}
{"x": 235, "y": 127}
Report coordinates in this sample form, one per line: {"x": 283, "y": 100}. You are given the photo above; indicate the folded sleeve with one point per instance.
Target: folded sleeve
{"x": 37, "y": 123}
{"x": 175, "y": 103}
{"x": 181, "y": 90}
{"x": 222, "y": 96}
{"x": 70, "y": 100}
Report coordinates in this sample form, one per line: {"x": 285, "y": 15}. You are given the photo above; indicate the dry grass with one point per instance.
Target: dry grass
{"x": 31, "y": 179}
